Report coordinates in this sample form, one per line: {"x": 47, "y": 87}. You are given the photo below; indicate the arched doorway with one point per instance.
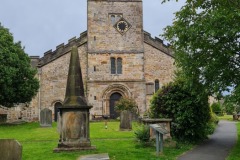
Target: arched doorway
{"x": 56, "y": 110}
{"x": 113, "y": 99}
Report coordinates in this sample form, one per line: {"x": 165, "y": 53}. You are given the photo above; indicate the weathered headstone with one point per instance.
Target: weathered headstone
{"x": 3, "y": 118}
{"x": 46, "y": 118}
{"x": 126, "y": 120}
{"x": 10, "y": 149}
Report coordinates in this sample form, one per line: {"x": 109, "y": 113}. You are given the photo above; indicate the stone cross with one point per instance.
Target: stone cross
{"x": 10, "y": 149}
{"x": 46, "y": 118}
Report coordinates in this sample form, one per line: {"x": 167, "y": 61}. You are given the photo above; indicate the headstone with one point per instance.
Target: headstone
{"x": 3, "y": 118}
{"x": 46, "y": 118}
{"x": 126, "y": 120}
{"x": 103, "y": 156}
{"x": 10, "y": 149}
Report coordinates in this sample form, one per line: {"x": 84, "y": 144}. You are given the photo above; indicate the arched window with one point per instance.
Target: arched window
{"x": 113, "y": 65}
{"x": 119, "y": 65}
{"x": 156, "y": 85}
{"x": 116, "y": 65}
{"x": 56, "y": 110}
{"x": 113, "y": 19}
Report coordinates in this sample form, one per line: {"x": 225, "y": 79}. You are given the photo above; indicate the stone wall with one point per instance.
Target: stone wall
{"x": 159, "y": 65}
{"x": 54, "y": 78}
{"x": 100, "y": 92}
{"x": 132, "y": 67}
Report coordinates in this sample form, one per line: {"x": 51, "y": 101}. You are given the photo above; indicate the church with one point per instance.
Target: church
{"x": 117, "y": 58}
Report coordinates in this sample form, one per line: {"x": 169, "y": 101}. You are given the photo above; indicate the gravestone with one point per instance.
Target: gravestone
{"x": 126, "y": 120}
{"x": 10, "y": 149}
{"x": 46, "y": 118}
{"x": 3, "y": 118}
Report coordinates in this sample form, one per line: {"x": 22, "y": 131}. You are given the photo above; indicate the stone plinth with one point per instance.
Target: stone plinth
{"x": 103, "y": 156}
{"x": 164, "y": 122}
{"x": 74, "y": 131}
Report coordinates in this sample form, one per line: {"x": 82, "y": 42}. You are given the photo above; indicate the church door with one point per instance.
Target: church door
{"x": 56, "y": 110}
{"x": 113, "y": 99}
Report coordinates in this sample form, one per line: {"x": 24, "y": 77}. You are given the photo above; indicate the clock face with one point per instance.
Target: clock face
{"x": 122, "y": 26}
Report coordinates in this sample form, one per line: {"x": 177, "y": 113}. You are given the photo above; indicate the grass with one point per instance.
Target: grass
{"x": 226, "y": 117}
{"x": 38, "y": 143}
{"x": 235, "y": 152}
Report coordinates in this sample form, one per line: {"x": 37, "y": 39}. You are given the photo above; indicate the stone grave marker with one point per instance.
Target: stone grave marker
{"x": 10, "y": 149}
{"x": 46, "y": 118}
{"x": 126, "y": 120}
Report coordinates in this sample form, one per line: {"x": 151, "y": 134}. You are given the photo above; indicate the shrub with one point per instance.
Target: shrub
{"x": 216, "y": 108}
{"x": 143, "y": 134}
{"x": 189, "y": 110}
{"x": 126, "y": 104}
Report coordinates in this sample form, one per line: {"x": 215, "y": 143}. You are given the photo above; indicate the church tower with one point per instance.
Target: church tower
{"x": 115, "y": 26}
{"x": 115, "y": 54}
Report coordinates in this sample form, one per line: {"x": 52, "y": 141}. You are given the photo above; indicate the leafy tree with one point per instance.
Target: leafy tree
{"x": 17, "y": 82}
{"x": 216, "y": 108}
{"x": 188, "y": 110}
{"x": 205, "y": 38}
{"x": 128, "y": 104}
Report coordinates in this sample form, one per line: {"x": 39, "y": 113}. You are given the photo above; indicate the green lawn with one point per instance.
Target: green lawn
{"x": 226, "y": 117}
{"x": 38, "y": 143}
{"x": 235, "y": 152}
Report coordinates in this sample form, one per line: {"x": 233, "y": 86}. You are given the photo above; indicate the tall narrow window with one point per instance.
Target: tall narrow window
{"x": 113, "y": 65}
{"x": 119, "y": 65}
{"x": 156, "y": 85}
{"x": 113, "y": 20}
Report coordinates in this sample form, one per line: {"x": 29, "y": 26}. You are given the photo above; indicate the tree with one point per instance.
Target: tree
{"x": 205, "y": 38}
{"x": 189, "y": 111}
{"x": 17, "y": 78}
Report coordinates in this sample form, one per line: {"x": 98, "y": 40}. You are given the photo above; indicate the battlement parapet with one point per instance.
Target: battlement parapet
{"x": 62, "y": 49}
{"x": 157, "y": 43}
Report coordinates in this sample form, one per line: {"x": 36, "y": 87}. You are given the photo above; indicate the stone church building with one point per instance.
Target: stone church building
{"x": 117, "y": 57}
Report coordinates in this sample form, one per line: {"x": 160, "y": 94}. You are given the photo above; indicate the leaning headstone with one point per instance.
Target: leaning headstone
{"x": 46, "y": 118}
{"x": 3, "y": 118}
{"x": 10, "y": 149}
{"x": 126, "y": 120}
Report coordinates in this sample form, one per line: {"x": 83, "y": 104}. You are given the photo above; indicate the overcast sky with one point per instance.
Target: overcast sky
{"x": 41, "y": 25}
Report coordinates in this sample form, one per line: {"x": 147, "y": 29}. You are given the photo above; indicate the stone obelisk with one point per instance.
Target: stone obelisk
{"x": 74, "y": 114}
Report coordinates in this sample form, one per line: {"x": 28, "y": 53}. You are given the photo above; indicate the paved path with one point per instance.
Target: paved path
{"x": 217, "y": 146}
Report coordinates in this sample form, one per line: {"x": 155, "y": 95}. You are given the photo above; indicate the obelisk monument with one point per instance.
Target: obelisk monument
{"x": 74, "y": 114}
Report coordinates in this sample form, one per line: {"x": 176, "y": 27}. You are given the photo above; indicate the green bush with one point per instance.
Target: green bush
{"x": 126, "y": 104}
{"x": 143, "y": 134}
{"x": 217, "y": 108}
{"x": 189, "y": 110}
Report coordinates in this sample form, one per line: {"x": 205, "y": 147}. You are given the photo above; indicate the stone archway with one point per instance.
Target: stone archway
{"x": 110, "y": 95}
{"x": 57, "y": 105}
{"x": 112, "y": 102}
